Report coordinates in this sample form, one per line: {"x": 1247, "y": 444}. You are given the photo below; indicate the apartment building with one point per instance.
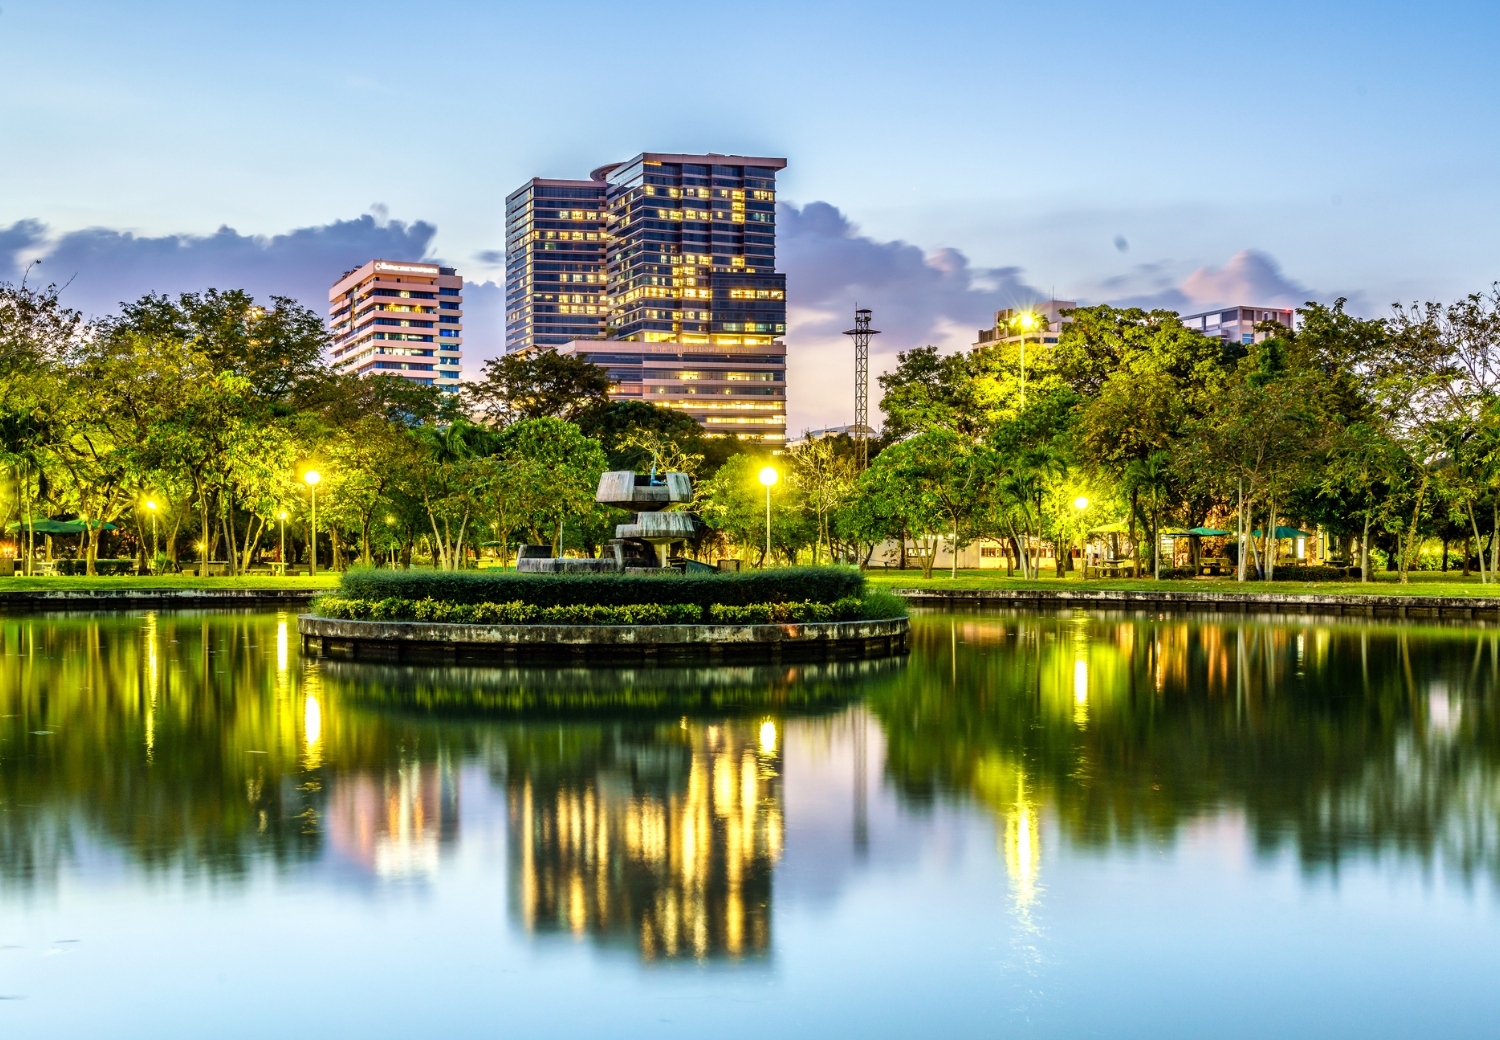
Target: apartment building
{"x": 397, "y": 318}
{"x": 1041, "y": 323}
{"x": 1237, "y": 324}
{"x": 662, "y": 269}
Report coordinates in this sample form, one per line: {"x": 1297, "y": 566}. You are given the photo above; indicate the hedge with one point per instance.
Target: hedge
{"x": 780, "y": 585}
{"x": 850, "y": 608}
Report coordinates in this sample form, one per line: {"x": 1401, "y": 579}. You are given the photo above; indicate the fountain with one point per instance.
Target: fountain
{"x": 644, "y": 546}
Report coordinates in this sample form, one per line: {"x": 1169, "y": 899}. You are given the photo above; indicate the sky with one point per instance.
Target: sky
{"x": 944, "y": 160}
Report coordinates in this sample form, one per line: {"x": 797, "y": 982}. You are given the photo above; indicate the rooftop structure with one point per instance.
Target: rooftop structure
{"x": 392, "y": 317}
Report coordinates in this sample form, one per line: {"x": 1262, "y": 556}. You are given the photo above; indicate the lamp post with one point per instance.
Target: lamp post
{"x": 312, "y": 477}
{"x": 282, "y": 558}
{"x": 155, "y": 549}
{"x": 1081, "y": 503}
{"x": 768, "y": 478}
{"x": 1027, "y": 322}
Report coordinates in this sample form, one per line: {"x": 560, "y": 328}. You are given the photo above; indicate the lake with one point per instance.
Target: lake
{"x": 1066, "y": 824}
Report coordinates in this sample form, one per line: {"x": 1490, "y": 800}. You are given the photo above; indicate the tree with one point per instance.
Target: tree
{"x": 537, "y": 384}
{"x": 555, "y": 470}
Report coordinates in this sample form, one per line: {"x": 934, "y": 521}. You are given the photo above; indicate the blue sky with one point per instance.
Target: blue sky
{"x": 943, "y": 159}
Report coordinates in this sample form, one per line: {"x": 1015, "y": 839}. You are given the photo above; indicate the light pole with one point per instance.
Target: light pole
{"x": 1027, "y": 321}
{"x": 768, "y": 478}
{"x": 312, "y": 477}
{"x": 282, "y": 558}
{"x": 151, "y": 505}
{"x": 1081, "y": 503}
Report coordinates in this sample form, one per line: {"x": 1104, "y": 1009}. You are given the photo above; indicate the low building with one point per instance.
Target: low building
{"x": 1041, "y": 323}
{"x": 395, "y": 318}
{"x": 738, "y": 391}
{"x": 1237, "y": 324}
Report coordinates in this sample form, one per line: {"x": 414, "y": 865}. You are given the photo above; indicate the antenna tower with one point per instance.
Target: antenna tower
{"x": 862, "y": 333}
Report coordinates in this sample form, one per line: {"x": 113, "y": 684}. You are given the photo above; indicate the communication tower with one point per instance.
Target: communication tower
{"x": 862, "y": 333}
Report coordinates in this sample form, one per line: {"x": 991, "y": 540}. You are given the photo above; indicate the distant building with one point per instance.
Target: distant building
{"x": 1237, "y": 324}
{"x": 1048, "y": 319}
{"x": 395, "y": 318}
{"x": 849, "y": 430}
{"x": 661, "y": 269}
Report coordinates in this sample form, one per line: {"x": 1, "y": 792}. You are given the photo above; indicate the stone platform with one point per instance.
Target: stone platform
{"x": 424, "y": 641}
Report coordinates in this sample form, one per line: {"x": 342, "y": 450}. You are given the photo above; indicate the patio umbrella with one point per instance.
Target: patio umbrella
{"x": 79, "y": 526}
{"x": 1286, "y": 532}
{"x": 1207, "y": 532}
{"x": 45, "y": 527}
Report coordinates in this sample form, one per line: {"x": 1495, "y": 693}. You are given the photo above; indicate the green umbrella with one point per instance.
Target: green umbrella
{"x": 45, "y": 527}
{"x": 1286, "y": 532}
{"x": 79, "y": 526}
{"x": 1207, "y": 532}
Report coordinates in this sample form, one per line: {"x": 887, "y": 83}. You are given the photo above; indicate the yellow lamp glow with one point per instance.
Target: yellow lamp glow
{"x": 1080, "y": 502}
{"x": 768, "y": 476}
{"x": 1026, "y": 320}
{"x": 281, "y": 515}
{"x": 150, "y": 505}
{"x": 312, "y": 476}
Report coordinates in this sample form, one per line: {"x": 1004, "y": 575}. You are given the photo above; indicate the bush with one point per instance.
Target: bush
{"x": 513, "y": 613}
{"x": 876, "y": 605}
{"x": 781, "y": 585}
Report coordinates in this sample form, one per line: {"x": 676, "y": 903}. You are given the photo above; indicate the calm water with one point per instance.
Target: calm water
{"x": 1054, "y": 825}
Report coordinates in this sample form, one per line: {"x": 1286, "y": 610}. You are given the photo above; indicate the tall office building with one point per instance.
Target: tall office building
{"x": 394, "y": 318}
{"x": 663, "y": 270}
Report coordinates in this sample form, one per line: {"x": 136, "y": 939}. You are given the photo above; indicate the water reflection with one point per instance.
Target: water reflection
{"x": 650, "y": 809}
{"x": 1335, "y": 739}
{"x": 662, "y": 837}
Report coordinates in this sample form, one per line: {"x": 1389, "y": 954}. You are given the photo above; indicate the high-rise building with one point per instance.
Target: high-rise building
{"x": 1237, "y": 324}
{"x": 663, "y": 270}
{"x": 394, "y": 318}
{"x": 554, "y": 263}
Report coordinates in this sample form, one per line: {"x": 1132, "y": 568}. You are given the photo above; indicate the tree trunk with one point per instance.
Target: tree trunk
{"x": 1364, "y": 551}
{"x": 1411, "y": 535}
{"x": 1484, "y": 577}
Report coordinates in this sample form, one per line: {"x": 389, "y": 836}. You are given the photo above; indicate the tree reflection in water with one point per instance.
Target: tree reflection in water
{"x": 645, "y": 808}
{"x": 1334, "y": 738}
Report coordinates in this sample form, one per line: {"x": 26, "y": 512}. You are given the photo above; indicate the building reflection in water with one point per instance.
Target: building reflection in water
{"x": 668, "y": 841}
{"x": 396, "y": 823}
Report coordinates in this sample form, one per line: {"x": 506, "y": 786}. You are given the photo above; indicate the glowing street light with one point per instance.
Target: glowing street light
{"x": 1081, "y": 503}
{"x": 312, "y": 477}
{"x": 151, "y": 505}
{"x": 1027, "y": 321}
{"x": 768, "y": 477}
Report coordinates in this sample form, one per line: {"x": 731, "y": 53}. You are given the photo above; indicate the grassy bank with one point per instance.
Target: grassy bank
{"x": 1425, "y": 583}
{"x": 166, "y": 581}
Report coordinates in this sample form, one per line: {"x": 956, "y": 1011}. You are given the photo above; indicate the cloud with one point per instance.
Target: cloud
{"x": 1248, "y": 277}
{"x": 106, "y": 266}
{"x": 918, "y": 297}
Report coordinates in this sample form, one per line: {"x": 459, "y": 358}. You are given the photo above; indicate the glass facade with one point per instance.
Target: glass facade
{"x": 390, "y": 317}
{"x": 554, "y": 264}
{"x": 671, "y": 260}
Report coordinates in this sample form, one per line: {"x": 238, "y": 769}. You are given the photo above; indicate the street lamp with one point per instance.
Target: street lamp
{"x": 282, "y": 517}
{"x": 312, "y": 477}
{"x": 768, "y": 477}
{"x": 151, "y": 505}
{"x": 1081, "y": 503}
{"x": 1027, "y": 321}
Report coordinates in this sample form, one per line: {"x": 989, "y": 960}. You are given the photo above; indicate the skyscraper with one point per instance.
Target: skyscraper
{"x": 670, "y": 260}
{"x": 394, "y": 318}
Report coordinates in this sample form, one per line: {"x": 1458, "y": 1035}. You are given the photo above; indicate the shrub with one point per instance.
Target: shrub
{"x": 780, "y": 585}
{"x": 876, "y": 605}
{"x": 514, "y": 613}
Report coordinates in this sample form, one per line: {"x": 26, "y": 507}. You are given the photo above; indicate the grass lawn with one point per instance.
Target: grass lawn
{"x": 167, "y": 581}
{"x": 1424, "y": 583}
